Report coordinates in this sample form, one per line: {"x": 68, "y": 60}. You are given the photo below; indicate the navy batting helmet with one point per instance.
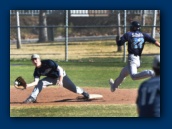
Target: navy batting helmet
{"x": 135, "y": 26}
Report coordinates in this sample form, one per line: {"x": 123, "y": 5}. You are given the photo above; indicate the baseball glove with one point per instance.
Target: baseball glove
{"x": 20, "y": 83}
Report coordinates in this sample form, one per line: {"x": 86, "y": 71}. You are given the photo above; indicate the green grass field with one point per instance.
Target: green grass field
{"x": 84, "y": 71}
{"x": 75, "y": 111}
{"x": 87, "y": 74}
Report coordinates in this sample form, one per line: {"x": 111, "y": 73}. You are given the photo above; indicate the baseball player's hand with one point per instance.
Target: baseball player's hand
{"x": 60, "y": 83}
{"x": 157, "y": 43}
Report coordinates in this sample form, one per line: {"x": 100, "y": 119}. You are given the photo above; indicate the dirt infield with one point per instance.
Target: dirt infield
{"x": 60, "y": 96}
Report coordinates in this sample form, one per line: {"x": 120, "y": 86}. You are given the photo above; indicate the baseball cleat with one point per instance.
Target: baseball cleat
{"x": 30, "y": 100}
{"x": 112, "y": 87}
{"x": 86, "y": 95}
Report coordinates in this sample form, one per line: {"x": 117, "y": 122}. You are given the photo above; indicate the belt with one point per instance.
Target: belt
{"x": 134, "y": 54}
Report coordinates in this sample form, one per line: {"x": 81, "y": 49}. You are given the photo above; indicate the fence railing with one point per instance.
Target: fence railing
{"x": 28, "y": 12}
{"x": 77, "y": 12}
{"x": 66, "y": 28}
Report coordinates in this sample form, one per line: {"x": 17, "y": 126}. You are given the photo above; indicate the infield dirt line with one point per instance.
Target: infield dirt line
{"x": 60, "y": 96}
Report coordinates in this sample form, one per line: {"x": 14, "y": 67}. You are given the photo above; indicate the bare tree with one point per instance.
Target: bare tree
{"x": 43, "y": 29}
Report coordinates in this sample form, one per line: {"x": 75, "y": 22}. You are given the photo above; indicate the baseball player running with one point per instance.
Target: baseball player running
{"x": 54, "y": 75}
{"x": 136, "y": 41}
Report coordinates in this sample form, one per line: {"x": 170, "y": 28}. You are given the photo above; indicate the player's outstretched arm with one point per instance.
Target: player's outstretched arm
{"x": 33, "y": 83}
{"x": 157, "y": 43}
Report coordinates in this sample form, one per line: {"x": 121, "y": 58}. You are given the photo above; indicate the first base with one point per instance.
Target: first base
{"x": 95, "y": 96}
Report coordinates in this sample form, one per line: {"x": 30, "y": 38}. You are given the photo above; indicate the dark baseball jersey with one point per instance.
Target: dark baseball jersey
{"x": 148, "y": 100}
{"x": 48, "y": 68}
{"x": 136, "y": 41}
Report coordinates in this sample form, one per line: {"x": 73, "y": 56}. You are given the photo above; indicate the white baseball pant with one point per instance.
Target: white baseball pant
{"x": 131, "y": 68}
{"x": 47, "y": 81}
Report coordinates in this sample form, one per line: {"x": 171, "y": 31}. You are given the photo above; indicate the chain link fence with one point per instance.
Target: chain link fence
{"x": 82, "y": 34}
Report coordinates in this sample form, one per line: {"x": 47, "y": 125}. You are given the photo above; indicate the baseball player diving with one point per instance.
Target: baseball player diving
{"x": 54, "y": 74}
{"x": 136, "y": 41}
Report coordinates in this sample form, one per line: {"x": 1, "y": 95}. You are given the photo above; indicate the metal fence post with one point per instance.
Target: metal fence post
{"x": 154, "y": 23}
{"x": 119, "y": 48}
{"x": 125, "y": 15}
{"x": 18, "y": 30}
{"x": 66, "y": 37}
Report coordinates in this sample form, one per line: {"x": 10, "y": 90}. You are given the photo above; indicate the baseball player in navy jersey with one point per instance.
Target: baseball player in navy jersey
{"x": 136, "y": 41}
{"x": 54, "y": 74}
{"x": 148, "y": 99}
